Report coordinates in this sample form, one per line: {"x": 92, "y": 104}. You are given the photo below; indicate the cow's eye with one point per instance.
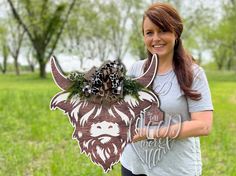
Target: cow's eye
{"x": 99, "y": 127}
{"x": 110, "y": 127}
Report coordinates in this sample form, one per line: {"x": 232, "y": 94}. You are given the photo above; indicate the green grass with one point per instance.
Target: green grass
{"x": 222, "y": 76}
{"x": 37, "y": 141}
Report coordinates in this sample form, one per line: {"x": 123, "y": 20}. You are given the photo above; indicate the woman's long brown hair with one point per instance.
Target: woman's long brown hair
{"x": 167, "y": 18}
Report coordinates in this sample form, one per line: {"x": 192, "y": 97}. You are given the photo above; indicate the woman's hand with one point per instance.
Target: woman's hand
{"x": 143, "y": 133}
{"x": 199, "y": 125}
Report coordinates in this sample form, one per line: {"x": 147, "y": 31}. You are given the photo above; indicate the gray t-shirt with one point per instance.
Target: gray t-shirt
{"x": 170, "y": 157}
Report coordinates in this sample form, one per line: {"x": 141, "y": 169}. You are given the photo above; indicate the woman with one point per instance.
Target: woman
{"x": 183, "y": 91}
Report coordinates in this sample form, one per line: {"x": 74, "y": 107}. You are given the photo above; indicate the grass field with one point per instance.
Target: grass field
{"x": 37, "y": 141}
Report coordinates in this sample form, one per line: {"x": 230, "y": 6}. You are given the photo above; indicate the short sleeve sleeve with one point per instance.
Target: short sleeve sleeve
{"x": 136, "y": 69}
{"x": 130, "y": 71}
{"x": 200, "y": 84}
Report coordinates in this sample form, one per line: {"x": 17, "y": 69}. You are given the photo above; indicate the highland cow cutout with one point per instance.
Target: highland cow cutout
{"x": 103, "y": 131}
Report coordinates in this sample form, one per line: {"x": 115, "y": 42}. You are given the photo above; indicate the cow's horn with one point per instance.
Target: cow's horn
{"x": 62, "y": 82}
{"x": 147, "y": 78}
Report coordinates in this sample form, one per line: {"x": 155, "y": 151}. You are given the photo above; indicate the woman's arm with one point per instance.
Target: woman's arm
{"x": 199, "y": 125}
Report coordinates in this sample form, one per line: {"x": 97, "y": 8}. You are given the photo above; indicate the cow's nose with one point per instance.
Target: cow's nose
{"x": 104, "y": 128}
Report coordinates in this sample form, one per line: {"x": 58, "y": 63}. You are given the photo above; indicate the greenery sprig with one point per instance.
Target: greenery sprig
{"x": 130, "y": 87}
{"x": 77, "y": 85}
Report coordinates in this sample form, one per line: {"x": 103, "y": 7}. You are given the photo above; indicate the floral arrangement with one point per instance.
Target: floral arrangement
{"x": 105, "y": 84}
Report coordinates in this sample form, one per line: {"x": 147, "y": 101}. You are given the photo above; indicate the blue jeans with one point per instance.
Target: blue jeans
{"x": 126, "y": 172}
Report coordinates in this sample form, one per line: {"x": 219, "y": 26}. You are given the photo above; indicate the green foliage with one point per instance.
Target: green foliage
{"x": 221, "y": 38}
{"x": 45, "y": 16}
{"x": 100, "y": 29}
{"x": 4, "y": 51}
{"x": 43, "y": 22}
{"x": 77, "y": 85}
{"x": 136, "y": 42}
{"x": 132, "y": 87}
{"x": 88, "y": 31}
{"x": 136, "y": 38}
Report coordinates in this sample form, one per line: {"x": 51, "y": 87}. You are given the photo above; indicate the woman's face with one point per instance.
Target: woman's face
{"x": 158, "y": 41}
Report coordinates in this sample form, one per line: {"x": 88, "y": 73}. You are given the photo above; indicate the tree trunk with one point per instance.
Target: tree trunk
{"x": 219, "y": 65}
{"x": 42, "y": 69}
{"x": 229, "y": 63}
{"x": 4, "y": 70}
{"x": 31, "y": 68}
{"x": 219, "y": 59}
{"x": 5, "y": 56}
{"x": 30, "y": 60}
{"x": 16, "y": 66}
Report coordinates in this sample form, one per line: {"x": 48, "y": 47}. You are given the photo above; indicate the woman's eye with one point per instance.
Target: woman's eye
{"x": 148, "y": 33}
{"x": 163, "y": 31}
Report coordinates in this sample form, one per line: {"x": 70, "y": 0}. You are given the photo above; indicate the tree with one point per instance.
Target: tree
{"x": 30, "y": 57}
{"x": 99, "y": 29}
{"x": 230, "y": 36}
{"x": 15, "y": 43}
{"x": 4, "y": 49}
{"x": 137, "y": 46}
{"x": 44, "y": 23}
{"x": 3, "y": 67}
{"x": 87, "y": 32}
{"x": 222, "y": 38}
{"x": 121, "y": 23}
{"x": 15, "y": 36}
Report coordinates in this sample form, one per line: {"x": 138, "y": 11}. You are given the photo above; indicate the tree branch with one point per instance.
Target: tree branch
{"x": 20, "y": 21}
{"x": 60, "y": 31}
